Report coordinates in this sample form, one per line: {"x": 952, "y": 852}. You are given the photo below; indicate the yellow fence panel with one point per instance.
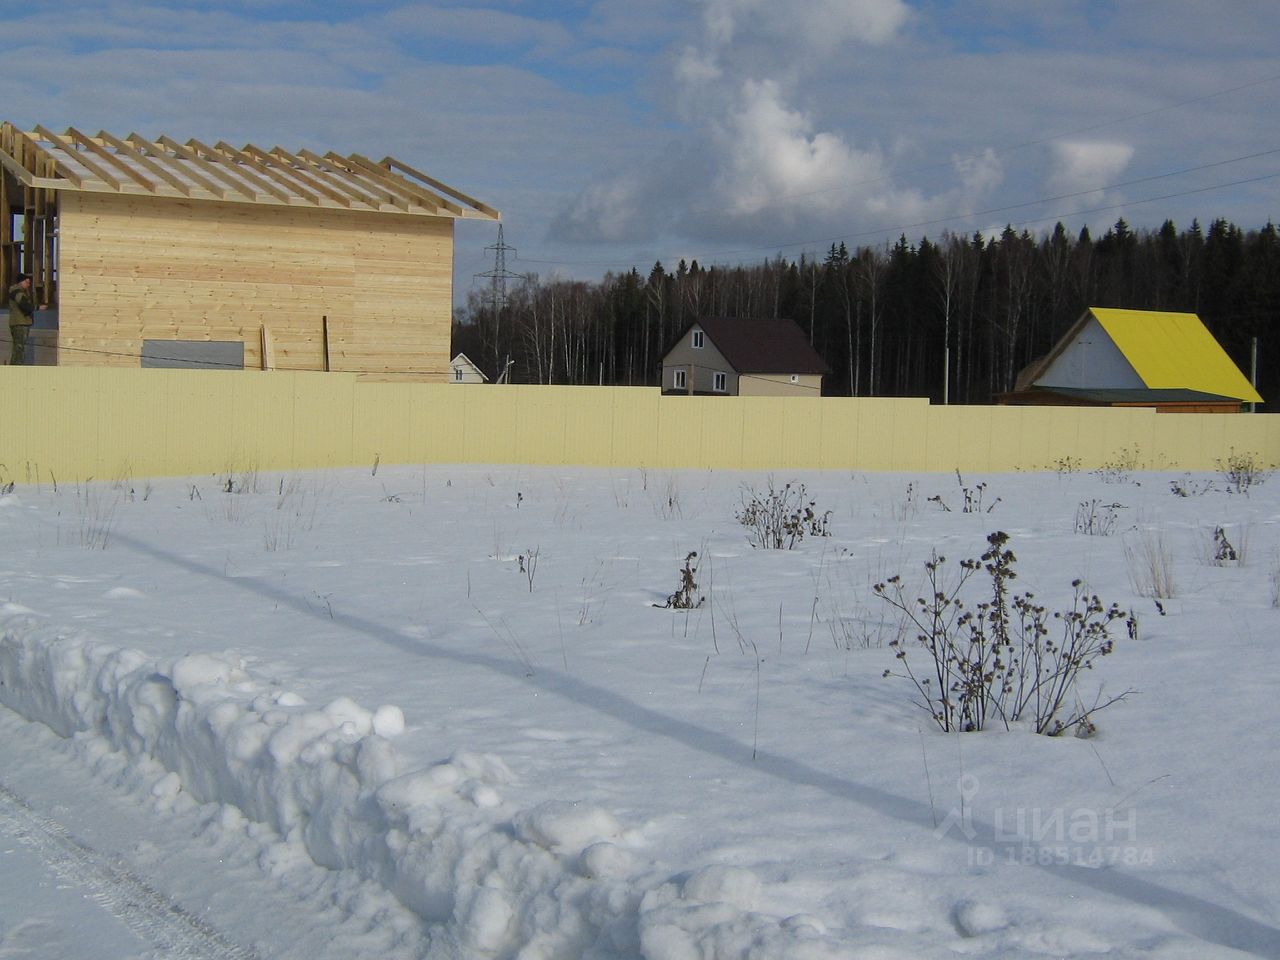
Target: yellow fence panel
{"x": 436, "y": 423}
{"x": 723, "y": 427}
{"x": 73, "y": 423}
{"x": 324, "y": 405}
{"x": 540, "y": 426}
{"x": 193, "y": 418}
{"x": 382, "y": 428}
{"x": 635, "y": 434}
{"x": 588, "y": 426}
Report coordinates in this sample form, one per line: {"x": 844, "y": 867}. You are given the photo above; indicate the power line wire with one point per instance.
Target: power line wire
{"x": 901, "y": 228}
{"x": 1000, "y": 152}
{"x": 1012, "y": 148}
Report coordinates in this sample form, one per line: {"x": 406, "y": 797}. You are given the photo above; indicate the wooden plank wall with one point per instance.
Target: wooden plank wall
{"x": 135, "y": 268}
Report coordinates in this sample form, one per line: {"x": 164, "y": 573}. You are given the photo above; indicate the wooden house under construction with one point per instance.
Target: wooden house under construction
{"x": 159, "y": 253}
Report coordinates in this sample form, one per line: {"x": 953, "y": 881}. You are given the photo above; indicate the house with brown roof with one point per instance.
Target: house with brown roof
{"x": 724, "y": 356}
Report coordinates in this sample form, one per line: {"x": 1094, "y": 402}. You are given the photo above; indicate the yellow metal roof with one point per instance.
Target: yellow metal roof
{"x": 1174, "y": 351}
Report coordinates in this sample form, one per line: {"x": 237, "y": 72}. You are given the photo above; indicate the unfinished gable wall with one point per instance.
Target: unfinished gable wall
{"x": 154, "y": 268}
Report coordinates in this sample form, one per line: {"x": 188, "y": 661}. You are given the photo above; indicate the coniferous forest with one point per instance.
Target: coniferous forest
{"x": 882, "y": 316}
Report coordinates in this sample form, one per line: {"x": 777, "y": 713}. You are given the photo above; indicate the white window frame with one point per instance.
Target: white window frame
{"x": 678, "y": 381}
{"x": 720, "y": 383}
{"x": 457, "y": 374}
{"x": 696, "y": 341}
{"x": 795, "y": 378}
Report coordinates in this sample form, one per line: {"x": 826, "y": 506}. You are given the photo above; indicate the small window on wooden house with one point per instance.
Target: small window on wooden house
{"x": 697, "y": 339}
{"x": 678, "y": 380}
{"x": 795, "y": 378}
{"x": 457, "y": 374}
{"x": 720, "y": 383}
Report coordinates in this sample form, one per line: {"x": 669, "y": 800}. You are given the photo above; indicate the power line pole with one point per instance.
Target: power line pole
{"x": 498, "y": 278}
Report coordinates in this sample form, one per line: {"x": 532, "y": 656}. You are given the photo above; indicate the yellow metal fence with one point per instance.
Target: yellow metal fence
{"x": 74, "y": 423}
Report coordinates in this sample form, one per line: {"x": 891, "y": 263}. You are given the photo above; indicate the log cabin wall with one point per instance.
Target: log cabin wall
{"x": 156, "y": 268}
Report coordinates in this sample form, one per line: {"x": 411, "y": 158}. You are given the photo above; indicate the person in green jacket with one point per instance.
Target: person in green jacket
{"x": 22, "y": 311}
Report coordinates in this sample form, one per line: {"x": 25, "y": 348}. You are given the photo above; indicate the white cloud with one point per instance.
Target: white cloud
{"x": 979, "y": 174}
{"x": 1083, "y": 165}
{"x": 818, "y": 25}
{"x": 604, "y": 212}
{"x": 695, "y": 68}
{"x": 754, "y": 154}
{"x": 770, "y": 150}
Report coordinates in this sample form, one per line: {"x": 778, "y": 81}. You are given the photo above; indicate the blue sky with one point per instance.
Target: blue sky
{"x": 620, "y": 132}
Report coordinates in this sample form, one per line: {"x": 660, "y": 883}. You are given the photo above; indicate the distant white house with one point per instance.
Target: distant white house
{"x": 464, "y": 371}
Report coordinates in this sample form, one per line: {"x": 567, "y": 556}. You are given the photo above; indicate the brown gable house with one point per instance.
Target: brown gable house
{"x": 723, "y": 356}
{"x": 155, "y": 252}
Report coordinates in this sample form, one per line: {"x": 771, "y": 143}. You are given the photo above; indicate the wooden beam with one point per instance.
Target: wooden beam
{"x": 181, "y": 165}
{"x": 241, "y": 169}
{"x": 186, "y": 153}
{"x": 138, "y": 157}
{"x": 394, "y": 164}
{"x": 51, "y": 220}
{"x": 267, "y": 170}
{"x": 80, "y": 157}
{"x": 397, "y": 197}
{"x": 6, "y": 230}
{"x": 340, "y": 177}
{"x": 382, "y": 173}
{"x": 13, "y": 140}
{"x": 288, "y": 169}
{"x": 268, "y": 353}
{"x": 111, "y": 158}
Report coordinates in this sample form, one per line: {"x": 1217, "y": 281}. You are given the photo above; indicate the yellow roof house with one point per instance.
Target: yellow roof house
{"x": 1136, "y": 358}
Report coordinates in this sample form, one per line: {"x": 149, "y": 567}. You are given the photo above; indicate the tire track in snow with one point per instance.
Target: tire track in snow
{"x": 148, "y": 913}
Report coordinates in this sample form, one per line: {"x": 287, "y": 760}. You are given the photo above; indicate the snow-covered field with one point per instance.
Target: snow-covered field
{"x": 435, "y": 712}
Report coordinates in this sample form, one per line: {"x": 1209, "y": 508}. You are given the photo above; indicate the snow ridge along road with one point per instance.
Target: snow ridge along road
{"x": 172, "y": 931}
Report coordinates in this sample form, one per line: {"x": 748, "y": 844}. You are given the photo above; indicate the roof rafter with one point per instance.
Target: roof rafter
{"x": 162, "y": 167}
{"x": 398, "y": 193}
{"x": 136, "y": 155}
{"x": 393, "y": 164}
{"x": 111, "y": 158}
{"x": 178, "y": 163}
{"x": 267, "y": 170}
{"x": 64, "y": 144}
{"x": 373, "y": 194}
{"x": 397, "y": 197}
{"x": 383, "y": 174}
{"x": 217, "y": 156}
{"x": 294, "y": 174}
{"x": 336, "y": 179}
{"x": 211, "y": 168}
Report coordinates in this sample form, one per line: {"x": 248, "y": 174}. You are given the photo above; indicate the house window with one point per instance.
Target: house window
{"x": 457, "y": 374}
{"x": 795, "y": 378}
{"x": 679, "y": 381}
{"x": 697, "y": 339}
{"x": 720, "y": 383}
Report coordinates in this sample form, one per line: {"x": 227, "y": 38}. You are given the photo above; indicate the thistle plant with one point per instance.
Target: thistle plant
{"x": 1004, "y": 659}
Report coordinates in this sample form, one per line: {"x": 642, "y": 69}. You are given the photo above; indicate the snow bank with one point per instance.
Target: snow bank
{"x": 489, "y": 879}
